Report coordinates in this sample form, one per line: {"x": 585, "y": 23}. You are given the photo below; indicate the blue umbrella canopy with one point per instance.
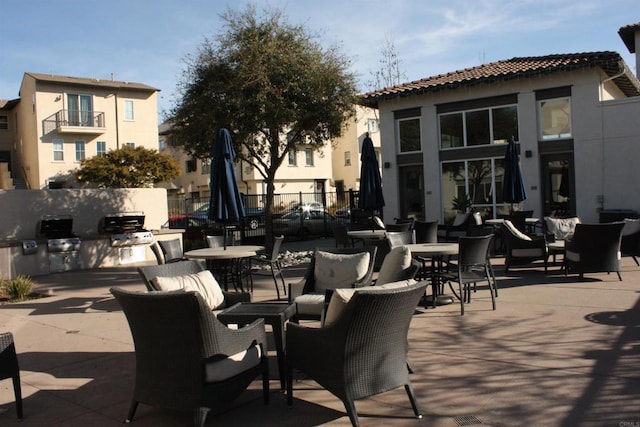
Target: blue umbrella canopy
{"x": 371, "y": 197}
{"x": 225, "y": 205}
{"x": 513, "y": 190}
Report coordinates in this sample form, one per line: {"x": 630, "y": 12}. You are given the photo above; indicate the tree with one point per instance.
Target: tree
{"x": 128, "y": 167}
{"x": 272, "y": 85}
{"x": 390, "y": 73}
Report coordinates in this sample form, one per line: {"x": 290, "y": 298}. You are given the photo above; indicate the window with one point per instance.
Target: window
{"x": 293, "y": 157}
{"x": 190, "y": 165}
{"x": 372, "y": 125}
{"x": 308, "y": 156}
{"x": 206, "y": 166}
{"x": 101, "y": 148}
{"x": 4, "y": 122}
{"x": 58, "y": 150}
{"x": 409, "y": 134}
{"x": 555, "y": 118}
{"x": 347, "y": 158}
{"x": 128, "y": 109}
{"x": 79, "y": 110}
{"x": 130, "y": 144}
{"x": 80, "y": 150}
{"x": 493, "y": 125}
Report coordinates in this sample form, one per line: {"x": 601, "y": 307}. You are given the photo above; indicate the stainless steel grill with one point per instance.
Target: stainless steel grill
{"x": 126, "y": 229}
{"x": 62, "y": 244}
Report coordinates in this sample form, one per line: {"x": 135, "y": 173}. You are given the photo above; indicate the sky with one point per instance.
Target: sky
{"x": 147, "y": 41}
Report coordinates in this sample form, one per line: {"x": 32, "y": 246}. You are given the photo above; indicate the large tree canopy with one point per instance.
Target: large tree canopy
{"x": 128, "y": 167}
{"x": 271, "y": 84}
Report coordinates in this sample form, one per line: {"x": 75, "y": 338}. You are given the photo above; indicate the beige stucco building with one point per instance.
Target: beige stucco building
{"x": 57, "y": 121}
{"x": 574, "y": 117}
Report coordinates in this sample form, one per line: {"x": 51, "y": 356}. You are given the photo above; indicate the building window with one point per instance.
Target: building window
{"x": 555, "y": 118}
{"x": 80, "y": 150}
{"x": 293, "y": 157}
{"x": 58, "y": 150}
{"x": 478, "y": 179}
{"x": 130, "y": 144}
{"x": 190, "y": 165}
{"x": 206, "y": 166}
{"x": 4, "y": 122}
{"x": 308, "y": 156}
{"x": 128, "y": 109}
{"x": 79, "y": 110}
{"x": 495, "y": 125}
{"x": 372, "y": 125}
{"x": 101, "y": 148}
{"x": 409, "y": 134}
{"x": 347, "y": 158}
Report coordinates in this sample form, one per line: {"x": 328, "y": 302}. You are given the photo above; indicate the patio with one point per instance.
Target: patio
{"x": 555, "y": 352}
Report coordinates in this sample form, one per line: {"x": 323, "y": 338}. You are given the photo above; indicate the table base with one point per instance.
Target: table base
{"x": 440, "y": 300}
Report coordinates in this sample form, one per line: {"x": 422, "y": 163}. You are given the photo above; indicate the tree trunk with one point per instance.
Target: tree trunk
{"x": 268, "y": 226}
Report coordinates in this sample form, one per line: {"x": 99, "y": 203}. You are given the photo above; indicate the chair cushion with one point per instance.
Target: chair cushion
{"x": 334, "y": 271}
{"x": 460, "y": 219}
{"x": 341, "y": 297}
{"x": 233, "y": 365}
{"x": 310, "y": 304}
{"x": 561, "y": 228}
{"x": 379, "y": 223}
{"x": 394, "y": 263}
{"x": 514, "y": 230}
{"x": 527, "y": 252}
{"x": 203, "y": 282}
{"x": 477, "y": 218}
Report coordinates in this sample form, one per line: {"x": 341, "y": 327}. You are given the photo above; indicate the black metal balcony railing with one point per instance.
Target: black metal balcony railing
{"x": 76, "y": 119}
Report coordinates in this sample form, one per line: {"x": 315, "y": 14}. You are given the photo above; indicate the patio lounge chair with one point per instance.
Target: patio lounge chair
{"x": 523, "y": 249}
{"x": 594, "y": 248}
{"x": 9, "y": 367}
{"x": 362, "y": 349}
{"x": 630, "y": 244}
{"x": 186, "y": 359}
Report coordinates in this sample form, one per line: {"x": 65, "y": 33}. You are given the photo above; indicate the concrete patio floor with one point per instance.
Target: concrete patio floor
{"x": 556, "y": 352}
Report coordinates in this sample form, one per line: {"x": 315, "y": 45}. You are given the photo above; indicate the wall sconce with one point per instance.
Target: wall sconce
{"x": 387, "y": 165}
{"x": 528, "y": 154}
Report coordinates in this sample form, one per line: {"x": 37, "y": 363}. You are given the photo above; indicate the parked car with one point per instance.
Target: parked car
{"x": 253, "y": 216}
{"x": 309, "y": 206}
{"x": 303, "y": 223}
{"x": 344, "y": 212}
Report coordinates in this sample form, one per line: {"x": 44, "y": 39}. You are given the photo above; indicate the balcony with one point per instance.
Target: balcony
{"x": 75, "y": 121}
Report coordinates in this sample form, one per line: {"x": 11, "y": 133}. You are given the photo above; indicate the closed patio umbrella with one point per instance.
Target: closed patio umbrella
{"x": 513, "y": 190}
{"x": 371, "y": 197}
{"x": 225, "y": 205}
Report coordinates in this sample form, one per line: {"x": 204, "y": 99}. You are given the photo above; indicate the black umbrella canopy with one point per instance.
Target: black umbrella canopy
{"x": 371, "y": 197}
{"x": 513, "y": 190}
{"x": 225, "y": 205}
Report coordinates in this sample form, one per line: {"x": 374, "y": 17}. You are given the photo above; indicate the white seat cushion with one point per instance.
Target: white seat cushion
{"x": 231, "y": 366}
{"x": 394, "y": 263}
{"x": 561, "y": 228}
{"x": 341, "y": 297}
{"x": 527, "y": 253}
{"x": 513, "y": 230}
{"x": 334, "y": 271}
{"x": 203, "y": 282}
{"x": 310, "y": 304}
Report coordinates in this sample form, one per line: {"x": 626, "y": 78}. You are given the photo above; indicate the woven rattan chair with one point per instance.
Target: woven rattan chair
{"x": 183, "y": 268}
{"x": 310, "y": 301}
{"x": 363, "y": 352}
{"x": 9, "y": 367}
{"x": 172, "y": 250}
{"x": 523, "y": 249}
{"x": 183, "y": 353}
{"x": 272, "y": 262}
{"x": 594, "y": 248}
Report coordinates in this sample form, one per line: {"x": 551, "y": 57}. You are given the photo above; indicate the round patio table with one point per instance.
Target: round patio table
{"x": 435, "y": 251}
{"x": 230, "y": 261}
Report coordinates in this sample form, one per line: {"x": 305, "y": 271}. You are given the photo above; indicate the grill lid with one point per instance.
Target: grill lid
{"x": 122, "y": 222}
{"x": 56, "y": 227}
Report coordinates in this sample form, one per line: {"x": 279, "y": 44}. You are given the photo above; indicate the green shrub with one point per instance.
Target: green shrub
{"x": 19, "y": 288}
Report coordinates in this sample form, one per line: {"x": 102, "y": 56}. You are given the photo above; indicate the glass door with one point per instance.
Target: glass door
{"x": 558, "y": 185}
{"x": 412, "y": 193}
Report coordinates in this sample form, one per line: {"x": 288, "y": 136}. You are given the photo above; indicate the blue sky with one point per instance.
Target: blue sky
{"x": 146, "y": 40}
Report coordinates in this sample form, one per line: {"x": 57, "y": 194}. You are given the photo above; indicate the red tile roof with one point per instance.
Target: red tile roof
{"x": 516, "y": 68}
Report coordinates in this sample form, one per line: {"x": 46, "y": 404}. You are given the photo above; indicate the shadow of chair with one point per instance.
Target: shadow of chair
{"x": 172, "y": 250}
{"x": 522, "y": 249}
{"x": 272, "y": 262}
{"x": 184, "y": 268}
{"x": 474, "y": 265}
{"x": 594, "y": 248}
{"x": 186, "y": 359}
{"x": 9, "y": 367}
{"x": 329, "y": 269}
{"x": 362, "y": 351}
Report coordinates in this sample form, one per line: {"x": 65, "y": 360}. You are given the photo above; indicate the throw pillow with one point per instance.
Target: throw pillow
{"x": 334, "y": 271}
{"x": 561, "y": 228}
{"x": 393, "y": 264}
{"x": 203, "y": 282}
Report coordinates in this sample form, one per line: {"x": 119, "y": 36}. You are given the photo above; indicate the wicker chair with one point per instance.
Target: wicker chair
{"x": 183, "y": 268}
{"x": 272, "y": 261}
{"x": 9, "y": 367}
{"x": 347, "y": 356}
{"x": 523, "y": 249}
{"x": 183, "y": 353}
{"x": 172, "y": 250}
{"x": 630, "y": 244}
{"x": 311, "y": 301}
{"x": 594, "y": 248}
